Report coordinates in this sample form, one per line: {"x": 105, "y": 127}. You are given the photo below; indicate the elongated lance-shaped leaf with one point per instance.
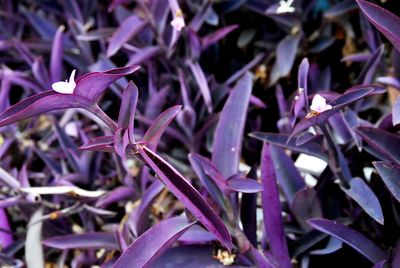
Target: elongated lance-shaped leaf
{"x": 228, "y": 135}
{"x": 390, "y": 175}
{"x": 57, "y": 55}
{"x": 302, "y": 80}
{"x": 369, "y": 69}
{"x": 33, "y": 243}
{"x": 217, "y": 35}
{"x": 202, "y": 82}
{"x": 9, "y": 180}
{"x": 281, "y": 140}
{"x": 130, "y": 27}
{"x": 43, "y": 103}
{"x": 386, "y": 22}
{"x": 351, "y": 237}
{"x": 287, "y": 174}
{"x": 117, "y": 194}
{"x": 160, "y": 124}
{"x": 213, "y": 187}
{"x": 137, "y": 220}
{"x": 150, "y": 245}
{"x": 187, "y": 194}
{"x": 244, "y": 69}
{"x": 360, "y": 192}
{"x": 6, "y": 238}
{"x": 272, "y": 210}
{"x": 383, "y": 144}
{"x": 92, "y": 240}
{"x": 92, "y": 85}
{"x": 101, "y": 143}
{"x": 306, "y": 205}
{"x": 285, "y": 55}
{"x": 127, "y": 110}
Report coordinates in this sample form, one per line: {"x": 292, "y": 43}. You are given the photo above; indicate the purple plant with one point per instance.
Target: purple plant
{"x": 199, "y": 133}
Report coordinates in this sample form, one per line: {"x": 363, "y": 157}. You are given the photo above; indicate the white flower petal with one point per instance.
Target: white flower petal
{"x": 63, "y": 87}
{"x": 66, "y": 87}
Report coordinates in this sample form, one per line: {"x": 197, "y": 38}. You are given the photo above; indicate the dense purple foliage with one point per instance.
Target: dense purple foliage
{"x": 251, "y": 133}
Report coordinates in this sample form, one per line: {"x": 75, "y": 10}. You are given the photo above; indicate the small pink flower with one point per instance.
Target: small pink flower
{"x": 319, "y": 104}
{"x": 66, "y": 87}
{"x": 178, "y": 23}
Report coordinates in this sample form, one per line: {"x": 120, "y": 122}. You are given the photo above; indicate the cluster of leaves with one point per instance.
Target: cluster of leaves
{"x": 189, "y": 139}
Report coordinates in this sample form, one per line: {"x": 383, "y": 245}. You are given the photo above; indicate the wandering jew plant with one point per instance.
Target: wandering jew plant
{"x": 200, "y": 133}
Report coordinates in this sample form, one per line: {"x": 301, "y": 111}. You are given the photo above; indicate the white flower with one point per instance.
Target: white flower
{"x": 178, "y": 23}
{"x": 66, "y": 87}
{"x": 319, "y": 104}
{"x": 285, "y": 7}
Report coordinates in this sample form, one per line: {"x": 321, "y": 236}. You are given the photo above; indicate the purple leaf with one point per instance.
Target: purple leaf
{"x": 40, "y": 72}
{"x": 340, "y": 9}
{"x": 6, "y": 238}
{"x": 43, "y": 26}
{"x": 9, "y": 180}
{"x": 127, "y": 30}
{"x": 160, "y": 124}
{"x": 390, "y": 175}
{"x": 357, "y": 57}
{"x": 285, "y": 56}
{"x": 306, "y": 205}
{"x": 333, "y": 245}
{"x": 156, "y": 102}
{"x": 244, "y": 69}
{"x": 384, "y": 145}
{"x": 114, "y": 4}
{"x": 360, "y": 192}
{"x": 202, "y": 83}
{"x": 302, "y": 80}
{"x": 281, "y": 140}
{"x": 217, "y": 35}
{"x": 150, "y": 245}
{"x": 287, "y": 174}
{"x": 228, "y": 135}
{"x": 127, "y": 110}
{"x": 91, "y": 240}
{"x": 202, "y": 167}
{"x": 117, "y": 194}
{"x": 92, "y": 85}
{"x": 369, "y": 69}
{"x": 261, "y": 260}
{"x": 57, "y": 55}
{"x": 42, "y": 103}
{"x": 187, "y": 194}
{"x": 244, "y": 185}
{"x": 272, "y": 210}
{"x": 101, "y": 143}
{"x": 138, "y": 217}
{"x": 386, "y": 22}
{"x": 395, "y": 260}
{"x": 197, "y": 235}
{"x": 144, "y": 54}
{"x": 351, "y": 237}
